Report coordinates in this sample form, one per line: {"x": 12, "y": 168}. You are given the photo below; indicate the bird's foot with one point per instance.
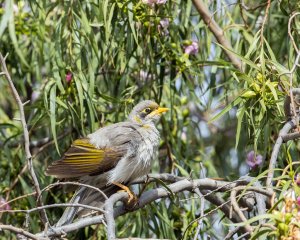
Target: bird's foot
{"x": 132, "y": 198}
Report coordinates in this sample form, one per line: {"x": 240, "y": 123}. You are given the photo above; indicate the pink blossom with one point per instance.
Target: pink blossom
{"x": 252, "y": 160}
{"x": 35, "y": 95}
{"x": 298, "y": 201}
{"x": 163, "y": 26}
{"x": 164, "y": 23}
{"x": 153, "y": 2}
{"x": 297, "y": 179}
{"x": 191, "y": 49}
{"x": 69, "y": 77}
{"x": 4, "y": 205}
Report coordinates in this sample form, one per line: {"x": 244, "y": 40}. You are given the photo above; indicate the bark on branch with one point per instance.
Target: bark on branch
{"x": 207, "y": 186}
{"x": 217, "y": 32}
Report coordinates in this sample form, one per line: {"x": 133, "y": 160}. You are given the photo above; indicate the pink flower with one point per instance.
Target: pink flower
{"x": 164, "y": 23}
{"x": 297, "y": 179}
{"x": 163, "y": 26}
{"x": 191, "y": 49}
{"x": 69, "y": 77}
{"x": 153, "y": 2}
{"x": 298, "y": 201}
{"x": 252, "y": 160}
{"x": 4, "y": 205}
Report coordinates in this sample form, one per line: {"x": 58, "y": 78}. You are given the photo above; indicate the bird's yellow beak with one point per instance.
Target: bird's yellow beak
{"x": 159, "y": 111}
{"x": 162, "y": 110}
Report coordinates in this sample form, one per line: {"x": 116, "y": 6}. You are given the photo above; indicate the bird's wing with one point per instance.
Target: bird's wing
{"x": 83, "y": 158}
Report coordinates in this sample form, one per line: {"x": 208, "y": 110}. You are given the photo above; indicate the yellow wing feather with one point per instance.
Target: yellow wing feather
{"x": 83, "y": 158}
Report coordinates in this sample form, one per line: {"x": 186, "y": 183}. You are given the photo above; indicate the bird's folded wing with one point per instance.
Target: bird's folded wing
{"x": 83, "y": 158}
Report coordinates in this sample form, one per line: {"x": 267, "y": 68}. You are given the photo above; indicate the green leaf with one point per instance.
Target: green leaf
{"x": 253, "y": 45}
{"x": 53, "y": 115}
{"x": 272, "y": 55}
{"x": 8, "y": 14}
{"x": 61, "y": 103}
{"x": 182, "y": 170}
{"x": 13, "y": 37}
{"x": 255, "y": 219}
{"x": 270, "y": 85}
{"x": 240, "y": 116}
{"x": 248, "y": 61}
{"x": 172, "y": 195}
{"x": 132, "y": 22}
{"x": 248, "y": 94}
{"x": 80, "y": 96}
{"x": 226, "y": 109}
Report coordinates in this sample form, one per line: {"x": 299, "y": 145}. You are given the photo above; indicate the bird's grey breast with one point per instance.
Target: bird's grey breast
{"x": 142, "y": 150}
{"x": 148, "y": 148}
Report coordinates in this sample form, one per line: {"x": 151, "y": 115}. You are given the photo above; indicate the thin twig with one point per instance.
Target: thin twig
{"x": 238, "y": 210}
{"x": 20, "y": 231}
{"x": 43, "y": 143}
{"x": 28, "y": 211}
{"x": 220, "y": 206}
{"x": 291, "y": 136}
{"x": 264, "y": 21}
{"x": 291, "y": 74}
{"x": 75, "y": 184}
{"x": 284, "y": 131}
{"x": 231, "y": 233}
{"x": 44, "y": 217}
{"x": 290, "y": 32}
{"x": 202, "y": 203}
{"x": 252, "y": 8}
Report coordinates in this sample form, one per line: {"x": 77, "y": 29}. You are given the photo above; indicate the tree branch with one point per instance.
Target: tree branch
{"x": 20, "y": 231}
{"x": 283, "y": 132}
{"x": 209, "y": 186}
{"x": 217, "y": 32}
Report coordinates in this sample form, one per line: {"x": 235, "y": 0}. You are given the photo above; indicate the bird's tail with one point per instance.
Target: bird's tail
{"x": 85, "y": 196}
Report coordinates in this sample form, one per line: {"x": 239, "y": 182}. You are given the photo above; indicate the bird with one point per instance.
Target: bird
{"x": 110, "y": 158}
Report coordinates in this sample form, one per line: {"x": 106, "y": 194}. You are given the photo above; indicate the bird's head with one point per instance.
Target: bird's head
{"x": 146, "y": 112}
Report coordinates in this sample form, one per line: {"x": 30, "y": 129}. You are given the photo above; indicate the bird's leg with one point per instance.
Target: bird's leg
{"x": 132, "y": 198}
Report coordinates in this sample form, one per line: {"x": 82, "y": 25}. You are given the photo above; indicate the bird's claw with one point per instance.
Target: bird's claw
{"x": 132, "y": 198}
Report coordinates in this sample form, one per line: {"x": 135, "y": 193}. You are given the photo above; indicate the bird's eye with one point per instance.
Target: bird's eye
{"x": 147, "y": 110}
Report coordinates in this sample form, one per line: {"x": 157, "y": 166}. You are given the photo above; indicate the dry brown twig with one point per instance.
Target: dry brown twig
{"x": 264, "y": 22}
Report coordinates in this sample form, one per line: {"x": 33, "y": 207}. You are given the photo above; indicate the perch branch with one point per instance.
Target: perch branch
{"x": 148, "y": 197}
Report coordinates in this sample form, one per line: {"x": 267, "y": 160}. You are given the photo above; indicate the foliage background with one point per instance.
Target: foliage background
{"x": 118, "y": 54}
